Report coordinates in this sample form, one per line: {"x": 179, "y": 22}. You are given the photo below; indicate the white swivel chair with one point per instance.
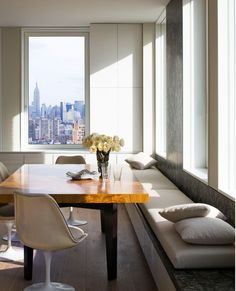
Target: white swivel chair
{"x": 35, "y": 230}
{"x": 72, "y": 160}
{"x": 7, "y": 217}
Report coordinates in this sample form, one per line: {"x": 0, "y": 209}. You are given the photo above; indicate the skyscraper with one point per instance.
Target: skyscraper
{"x": 36, "y": 101}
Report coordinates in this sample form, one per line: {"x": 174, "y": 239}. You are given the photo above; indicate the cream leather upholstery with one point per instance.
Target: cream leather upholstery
{"x": 3, "y": 172}
{"x": 41, "y": 225}
{"x": 38, "y": 217}
{"x": 6, "y": 210}
{"x": 182, "y": 255}
{"x": 72, "y": 160}
{"x": 7, "y": 216}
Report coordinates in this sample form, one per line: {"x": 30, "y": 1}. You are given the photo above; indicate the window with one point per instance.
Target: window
{"x": 161, "y": 86}
{"x": 226, "y": 97}
{"x": 55, "y": 77}
{"x": 195, "y": 87}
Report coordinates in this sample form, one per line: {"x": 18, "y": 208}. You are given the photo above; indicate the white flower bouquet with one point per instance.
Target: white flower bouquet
{"x": 102, "y": 144}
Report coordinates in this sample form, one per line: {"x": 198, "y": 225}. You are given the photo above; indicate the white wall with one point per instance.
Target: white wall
{"x": 11, "y": 88}
{"x": 116, "y": 82}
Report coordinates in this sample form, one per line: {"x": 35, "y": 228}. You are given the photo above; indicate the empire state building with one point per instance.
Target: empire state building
{"x": 36, "y": 101}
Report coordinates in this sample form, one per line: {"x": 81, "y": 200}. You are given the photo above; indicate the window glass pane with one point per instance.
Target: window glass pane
{"x": 161, "y": 88}
{"x": 195, "y": 87}
{"x": 56, "y": 86}
{"x": 226, "y": 97}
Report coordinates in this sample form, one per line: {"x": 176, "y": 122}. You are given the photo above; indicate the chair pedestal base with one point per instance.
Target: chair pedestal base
{"x": 53, "y": 286}
{"x": 14, "y": 237}
{"x": 74, "y": 222}
{"x": 12, "y": 254}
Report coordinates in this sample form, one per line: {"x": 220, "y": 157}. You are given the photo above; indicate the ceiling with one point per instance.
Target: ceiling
{"x": 78, "y": 12}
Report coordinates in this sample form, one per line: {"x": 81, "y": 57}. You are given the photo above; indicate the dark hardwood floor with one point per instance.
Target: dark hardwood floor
{"x": 84, "y": 266}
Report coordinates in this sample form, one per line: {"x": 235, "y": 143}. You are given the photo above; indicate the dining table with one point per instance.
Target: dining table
{"x": 101, "y": 194}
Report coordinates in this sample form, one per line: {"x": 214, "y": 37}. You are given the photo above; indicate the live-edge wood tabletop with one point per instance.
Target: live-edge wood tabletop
{"x": 52, "y": 179}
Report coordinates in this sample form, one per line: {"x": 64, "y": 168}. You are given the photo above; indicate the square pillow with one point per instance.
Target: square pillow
{"x": 179, "y": 212}
{"x": 205, "y": 231}
{"x": 141, "y": 161}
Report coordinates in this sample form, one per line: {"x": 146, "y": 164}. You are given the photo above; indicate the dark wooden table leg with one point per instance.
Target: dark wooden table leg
{"x": 110, "y": 217}
{"x": 102, "y": 220}
{"x": 28, "y": 263}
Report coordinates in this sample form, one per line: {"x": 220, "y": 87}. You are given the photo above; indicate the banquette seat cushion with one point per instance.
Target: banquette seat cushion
{"x": 163, "y": 193}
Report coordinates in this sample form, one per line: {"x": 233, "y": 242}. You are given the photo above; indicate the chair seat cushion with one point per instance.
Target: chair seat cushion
{"x": 154, "y": 179}
{"x": 7, "y": 212}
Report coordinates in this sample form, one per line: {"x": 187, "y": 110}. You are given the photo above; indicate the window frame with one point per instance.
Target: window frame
{"x": 25, "y": 34}
{"x": 160, "y": 87}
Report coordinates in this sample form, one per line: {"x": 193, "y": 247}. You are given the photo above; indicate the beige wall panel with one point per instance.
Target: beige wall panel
{"x": 103, "y": 55}
{"x": 12, "y": 161}
{"x": 38, "y": 158}
{"x": 11, "y": 88}
{"x": 130, "y": 55}
{"x": 103, "y": 110}
{"x": 130, "y": 126}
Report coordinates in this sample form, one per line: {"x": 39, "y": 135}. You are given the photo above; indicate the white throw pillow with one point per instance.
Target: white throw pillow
{"x": 205, "y": 231}
{"x": 183, "y": 211}
{"x": 215, "y": 213}
{"x": 141, "y": 161}
{"x": 179, "y": 212}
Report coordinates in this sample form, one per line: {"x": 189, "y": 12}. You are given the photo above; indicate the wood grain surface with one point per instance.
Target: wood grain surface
{"x": 52, "y": 179}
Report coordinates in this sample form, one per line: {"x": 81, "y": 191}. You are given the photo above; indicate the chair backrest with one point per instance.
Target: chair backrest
{"x": 3, "y": 172}
{"x": 40, "y": 223}
{"x": 70, "y": 160}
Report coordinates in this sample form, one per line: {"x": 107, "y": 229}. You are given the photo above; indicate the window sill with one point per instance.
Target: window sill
{"x": 228, "y": 195}
{"x": 198, "y": 173}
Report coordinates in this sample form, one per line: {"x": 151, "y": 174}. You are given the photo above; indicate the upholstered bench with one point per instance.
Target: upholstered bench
{"x": 172, "y": 261}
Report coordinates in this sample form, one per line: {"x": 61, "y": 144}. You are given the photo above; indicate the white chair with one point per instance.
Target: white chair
{"x": 7, "y": 217}
{"x": 35, "y": 230}
{"x": 72, "y": 160}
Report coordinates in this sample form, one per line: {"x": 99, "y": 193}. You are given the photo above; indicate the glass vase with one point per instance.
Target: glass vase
{"x": 102, "y": 162}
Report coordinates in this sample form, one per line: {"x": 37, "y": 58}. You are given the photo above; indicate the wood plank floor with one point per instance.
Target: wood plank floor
{"x": 84, "y": 266}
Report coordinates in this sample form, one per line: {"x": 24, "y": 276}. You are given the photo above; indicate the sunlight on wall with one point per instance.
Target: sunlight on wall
{"x": 148, "y": 98}
{"x": 125, "y": 71}
{"x": 106, "y": 77}
{"x": 15, "y": 136}
{"x": 114, "y": 110}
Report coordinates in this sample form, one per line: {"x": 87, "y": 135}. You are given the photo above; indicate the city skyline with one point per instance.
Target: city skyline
{"x": 55, "y": 124}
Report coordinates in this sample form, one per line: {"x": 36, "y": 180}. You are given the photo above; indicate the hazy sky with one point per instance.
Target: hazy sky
{"x": 57, "y": 65}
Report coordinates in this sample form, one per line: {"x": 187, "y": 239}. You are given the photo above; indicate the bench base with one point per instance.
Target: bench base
{"x": 164, "y": 274}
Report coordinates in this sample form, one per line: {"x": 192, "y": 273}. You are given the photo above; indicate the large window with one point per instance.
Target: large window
{"x": 161, "y": 86}
{"x": 55, "y": 87}
{"x": 226, "y": 97}
{"x": 195, "y": 87}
